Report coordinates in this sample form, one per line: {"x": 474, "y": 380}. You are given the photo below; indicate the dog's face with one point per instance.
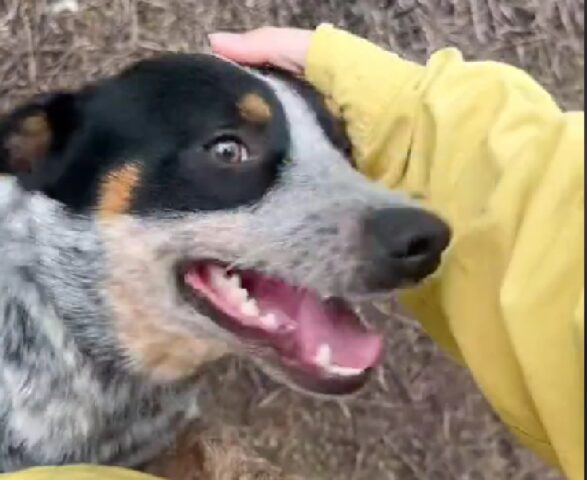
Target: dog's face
{"x": 230, "y": 218}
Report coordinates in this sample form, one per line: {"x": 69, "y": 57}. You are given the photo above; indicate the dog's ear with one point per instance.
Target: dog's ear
{"x": 35, "y": 132}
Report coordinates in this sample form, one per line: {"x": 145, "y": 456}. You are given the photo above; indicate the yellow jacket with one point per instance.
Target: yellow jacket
{"x": 487, "y": 148}
{"x": 77, "y": 472}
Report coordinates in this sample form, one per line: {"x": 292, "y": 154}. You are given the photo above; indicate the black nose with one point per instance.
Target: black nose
{"x": 404, "y": 245}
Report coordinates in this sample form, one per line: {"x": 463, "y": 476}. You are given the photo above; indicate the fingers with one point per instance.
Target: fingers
{"x": 284, "y": 48}
{"x": 242, "y": 48}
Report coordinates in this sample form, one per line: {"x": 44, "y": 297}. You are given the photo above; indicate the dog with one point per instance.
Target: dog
{"x": 156, "y": 221}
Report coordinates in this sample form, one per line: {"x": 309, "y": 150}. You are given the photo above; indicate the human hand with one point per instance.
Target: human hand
{"x": 355, "y": 76}
{"x": 285, "y": 48}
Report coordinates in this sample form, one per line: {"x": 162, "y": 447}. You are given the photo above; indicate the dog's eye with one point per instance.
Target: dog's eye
{"x": 229, "y": 150}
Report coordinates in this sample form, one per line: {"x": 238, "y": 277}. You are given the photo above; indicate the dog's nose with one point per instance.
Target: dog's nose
{"x": 405, "y": 245}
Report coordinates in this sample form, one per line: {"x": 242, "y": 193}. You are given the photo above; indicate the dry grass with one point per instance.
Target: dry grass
{"x": 423, "y": 418}
{"x": 214, "y": 453}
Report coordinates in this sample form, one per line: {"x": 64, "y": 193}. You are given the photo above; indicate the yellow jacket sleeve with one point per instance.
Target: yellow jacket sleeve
{"x": 489, "y": 150}
{"x": 77, "y": 472}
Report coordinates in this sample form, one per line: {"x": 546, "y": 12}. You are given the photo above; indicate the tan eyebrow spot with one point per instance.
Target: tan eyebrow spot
{"x": 116, "y": 192}
{"x": 29, "y": 144}
{"x": 255, "y": 108}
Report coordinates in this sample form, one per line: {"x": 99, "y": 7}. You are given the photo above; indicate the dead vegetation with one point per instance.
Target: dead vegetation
{"x": 423, "y": 418}
{"x": 214, "y": 453}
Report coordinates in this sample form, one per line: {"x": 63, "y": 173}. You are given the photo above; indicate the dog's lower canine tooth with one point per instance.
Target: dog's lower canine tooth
{"x": 324, "y": 360}
{"x": 343, "y": 371}
{"x": 269, "y": 321}
{"x": 238, "y": 295}
{"x": 234, "y": 281}
{"x": 250, "y": 308}
{"x": 324, "y": 355}
{"x": 218, "y": 278}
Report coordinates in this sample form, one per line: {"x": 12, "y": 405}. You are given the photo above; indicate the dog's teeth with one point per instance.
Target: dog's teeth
{"x": 324, "y": 356}
{"x": 324, "y": 360}
{"x": 287, "y": 328}
{"x": 235, "y": 282}
{"x": 218, "y": 269}
{"x": 218, "y": 277}
{"x": 250, "y": 308}
{"x": 217, "y": 281}
{"x": 229, "y": 285}
{"x": 343, "y": 371}
{"x": 238, "y": 295}
{"x": 269, "y": 321}
{"x": 235, "y": 291}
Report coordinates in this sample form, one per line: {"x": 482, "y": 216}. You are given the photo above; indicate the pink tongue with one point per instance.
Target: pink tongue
{"x": 352, "y": 345}
{"x": 319, "y": 323}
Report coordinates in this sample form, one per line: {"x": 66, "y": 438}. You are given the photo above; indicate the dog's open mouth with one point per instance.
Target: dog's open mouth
{"x": 321, "y": 345}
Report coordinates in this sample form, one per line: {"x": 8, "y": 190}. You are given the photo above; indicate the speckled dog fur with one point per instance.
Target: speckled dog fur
{"x": 89, "y": 372}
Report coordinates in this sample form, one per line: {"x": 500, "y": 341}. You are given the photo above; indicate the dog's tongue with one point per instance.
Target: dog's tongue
{"x": 320, "y": 325}
{"x": 333, "y": 323}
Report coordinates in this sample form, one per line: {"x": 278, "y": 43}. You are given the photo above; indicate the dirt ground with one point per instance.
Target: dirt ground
{"x": 422, "y": 418}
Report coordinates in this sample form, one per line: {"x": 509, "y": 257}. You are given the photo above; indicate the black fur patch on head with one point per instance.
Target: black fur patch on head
{"x": 174, "y": 133}
{"x": 178, "y": 119}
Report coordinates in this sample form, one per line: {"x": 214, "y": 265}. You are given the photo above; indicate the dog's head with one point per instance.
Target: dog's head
{"x": 230, "y": 216}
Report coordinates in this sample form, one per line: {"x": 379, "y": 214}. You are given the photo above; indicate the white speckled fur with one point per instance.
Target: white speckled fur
{"x": 69, "y": 389}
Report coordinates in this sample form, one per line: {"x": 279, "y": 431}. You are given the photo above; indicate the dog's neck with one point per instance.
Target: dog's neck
{"x": 52, "y": 261}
